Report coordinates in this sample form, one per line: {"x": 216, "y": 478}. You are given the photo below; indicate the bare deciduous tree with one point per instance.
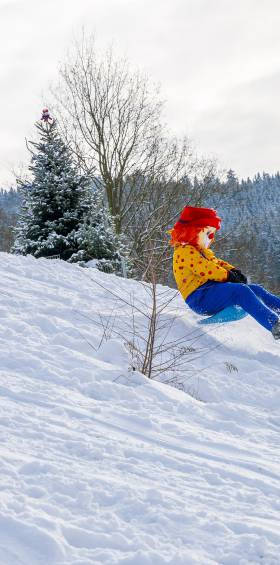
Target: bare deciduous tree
{"x": 148, "y": 332}
{"x": 112, "y": 118}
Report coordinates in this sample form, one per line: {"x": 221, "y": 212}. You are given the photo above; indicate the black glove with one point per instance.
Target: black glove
{"x": 235, "y": 276}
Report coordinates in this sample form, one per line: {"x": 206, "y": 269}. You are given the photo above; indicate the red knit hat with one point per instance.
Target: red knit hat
{"x": 191, "y": 222}
{"x": 198, "y": 217}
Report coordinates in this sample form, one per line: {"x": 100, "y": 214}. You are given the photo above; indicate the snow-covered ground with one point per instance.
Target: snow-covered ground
{"x": 100, "y": 465}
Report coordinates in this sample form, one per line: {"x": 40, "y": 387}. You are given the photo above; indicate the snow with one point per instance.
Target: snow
{"x": 100, "y": 465}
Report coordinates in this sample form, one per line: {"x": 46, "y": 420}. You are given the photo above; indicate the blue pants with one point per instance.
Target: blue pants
{"x": 213, "y": 296}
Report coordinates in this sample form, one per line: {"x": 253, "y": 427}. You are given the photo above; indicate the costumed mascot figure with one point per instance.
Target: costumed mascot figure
{"x": 208, "y": 284}
{"x": 46, "y": 116}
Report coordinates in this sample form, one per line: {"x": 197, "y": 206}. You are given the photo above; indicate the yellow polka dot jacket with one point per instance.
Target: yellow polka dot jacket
{"x": 193, "y": 267}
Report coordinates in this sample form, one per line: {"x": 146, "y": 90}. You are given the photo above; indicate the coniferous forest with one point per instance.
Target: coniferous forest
{"x": 249, "y": 237}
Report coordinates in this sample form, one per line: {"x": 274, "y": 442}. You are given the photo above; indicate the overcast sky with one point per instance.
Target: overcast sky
{"x": 218, "y": 63}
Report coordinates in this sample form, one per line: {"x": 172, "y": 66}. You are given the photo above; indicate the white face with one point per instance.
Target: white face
{"x": 206, "y": 237}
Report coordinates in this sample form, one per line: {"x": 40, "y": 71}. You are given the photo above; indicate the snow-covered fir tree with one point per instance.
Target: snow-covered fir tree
{"x": 55, "y": 200}
{"x": 97, "y": 238}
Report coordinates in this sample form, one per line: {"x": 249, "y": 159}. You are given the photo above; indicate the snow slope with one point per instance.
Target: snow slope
{"x": 100, "y": 465}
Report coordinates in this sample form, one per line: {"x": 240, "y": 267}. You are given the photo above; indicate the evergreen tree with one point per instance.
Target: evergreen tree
{"x": 232, "y": 183}
{"x": 7, "y": 223}
{"x": 9, "y": 205}
{"x": 54, "y": 202}
{"x": 97, "y": 238}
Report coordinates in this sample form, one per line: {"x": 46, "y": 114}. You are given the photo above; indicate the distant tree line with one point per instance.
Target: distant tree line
{"x": 249, "y": 237}
{"x": 9, "y": 209}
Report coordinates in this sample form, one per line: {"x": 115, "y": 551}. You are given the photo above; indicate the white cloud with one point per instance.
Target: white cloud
{"x": 217, "y": 61}
{"x": 245, "y": 125}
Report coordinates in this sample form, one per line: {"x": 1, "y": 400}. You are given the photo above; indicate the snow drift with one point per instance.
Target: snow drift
{"x": 100, "y": 465}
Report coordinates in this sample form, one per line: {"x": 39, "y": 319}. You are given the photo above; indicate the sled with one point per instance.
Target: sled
{"x": 230, "y": 314}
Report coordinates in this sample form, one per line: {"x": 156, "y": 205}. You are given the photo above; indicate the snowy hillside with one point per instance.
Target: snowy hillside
{"x": 100, "y": 465}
